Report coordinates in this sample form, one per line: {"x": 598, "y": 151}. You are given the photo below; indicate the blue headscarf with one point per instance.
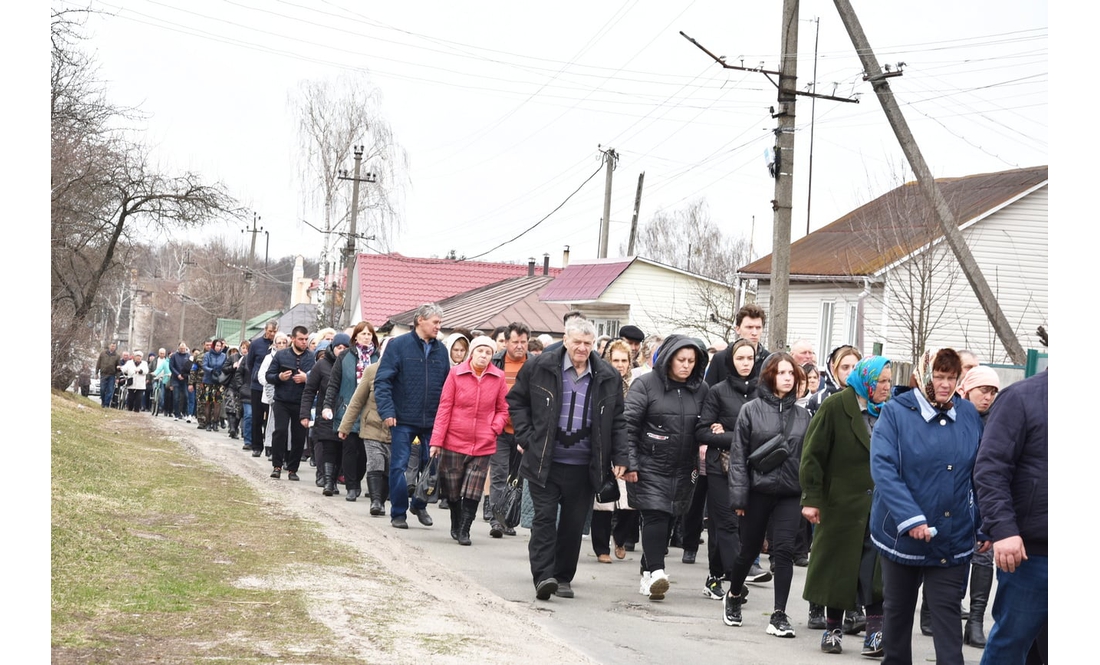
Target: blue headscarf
{"x": 864, "y": 379}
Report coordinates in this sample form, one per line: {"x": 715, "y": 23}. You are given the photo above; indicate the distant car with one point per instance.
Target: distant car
{"x": 94, "y": 389}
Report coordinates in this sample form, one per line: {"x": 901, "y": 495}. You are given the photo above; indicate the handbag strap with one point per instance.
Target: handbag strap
{"x": 513, "y": 466}
{"x": 788, "y": 422}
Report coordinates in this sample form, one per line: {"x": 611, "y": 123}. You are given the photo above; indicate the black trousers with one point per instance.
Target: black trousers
{"x": 943, "y": 589}
{"x": 656, "y": 528}
{"x": 723, "y": 528}
{"x": 353, "y": 462}
{"x": 259, "y": 420}
{"x": 287, "y": 424}
{"x": 601, "y": 531}
{"x": 693, "y": 520}
{"x": 784, "y": 512}
{"x": 555, "y": 542}
{"x": 624, "y": 528}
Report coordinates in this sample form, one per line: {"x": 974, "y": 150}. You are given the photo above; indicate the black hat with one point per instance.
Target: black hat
{"x": 632, "y": 333}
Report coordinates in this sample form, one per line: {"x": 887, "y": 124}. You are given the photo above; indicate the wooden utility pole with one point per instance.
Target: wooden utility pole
{"x": 634, "y": 219}
{"x": 948, "y": 224}
{"x": 611, "y": 158}
{"x": 183, "y": 298}
{"x": 784, "y": 180}
{"x": 248, "y": 275}
{"x": 349, "y": 251}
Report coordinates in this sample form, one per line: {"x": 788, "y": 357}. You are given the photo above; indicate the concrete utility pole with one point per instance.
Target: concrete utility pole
{"x": 183, "y": 298}
{"x": 784, "y": 180}
{"x": 634, "y": 219}
{"x": 610, "y": 158}
{"x": 349, "y": 251}
{"x": 248, "y": 275}
{"x": 948, "y": 223}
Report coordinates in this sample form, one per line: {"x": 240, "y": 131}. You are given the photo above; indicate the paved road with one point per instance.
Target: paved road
{"x": 608, "y": 620}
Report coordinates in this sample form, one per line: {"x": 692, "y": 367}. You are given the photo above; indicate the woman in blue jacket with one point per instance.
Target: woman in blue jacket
{"x": 212, "y": 389}
{"x": 924, "y": 520}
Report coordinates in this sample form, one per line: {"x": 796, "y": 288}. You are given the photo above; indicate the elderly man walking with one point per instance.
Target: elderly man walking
{"x": 106, "y": 366}
{"x": 407, "y": 388}
{"x": 567, "y": 412}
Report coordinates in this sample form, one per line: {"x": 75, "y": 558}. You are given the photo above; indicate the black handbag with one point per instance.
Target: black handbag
{"x": 609, "y": 491}
{"x": 427, "y": 482}
{"x": 774, "y": 451}
{"x": 507, "y": 509}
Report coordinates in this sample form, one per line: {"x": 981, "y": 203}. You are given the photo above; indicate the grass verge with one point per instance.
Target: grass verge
{"x": 150, "y": 545}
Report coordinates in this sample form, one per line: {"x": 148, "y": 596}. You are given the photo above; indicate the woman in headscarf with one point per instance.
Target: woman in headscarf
{"x": 761, "y": 493}
{"x": 662, "y": 409}
{"x": 715, "y": 430}
{"x": 472, "y": 414}
{"x": 458, "y": 347}
{"x": 346, "y": 374}
{"x": 840, "y": 363}
{"x": 835, "y": 474}
{"x": 923, "y": 518}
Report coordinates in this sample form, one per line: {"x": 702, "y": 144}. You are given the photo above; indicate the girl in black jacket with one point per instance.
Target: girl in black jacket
{"x": 760, "y": 494}
{"x": 715, "y": 430}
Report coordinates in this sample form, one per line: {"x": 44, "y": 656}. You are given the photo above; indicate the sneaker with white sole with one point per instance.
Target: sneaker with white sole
{"x": 643, "y": 587}
{"x": 758, "y": 575}
{"x": 831, "y": 639}
{"x": 713, "y": 588}
{"x": 779, "y": 625}
{"x": 658, "y": 584}
{"x": 731, "y": 610}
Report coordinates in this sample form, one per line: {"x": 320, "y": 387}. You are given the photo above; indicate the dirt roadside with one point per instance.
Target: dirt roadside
{"x": 422, "y": 610}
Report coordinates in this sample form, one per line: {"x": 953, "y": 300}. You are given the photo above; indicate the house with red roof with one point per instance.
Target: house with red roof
{"x": 389, "y": 284}
{"x": 883, "y": 276}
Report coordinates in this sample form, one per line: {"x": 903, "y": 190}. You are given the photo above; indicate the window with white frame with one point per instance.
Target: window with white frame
{"x": 608, "y": 327}
{"x": 825, "y": 332}
{"x": 852, "y": 325}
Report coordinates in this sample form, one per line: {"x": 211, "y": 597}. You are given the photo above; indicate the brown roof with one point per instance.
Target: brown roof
{"x": 498, "y": 304}
{"x": 896, "y": 224}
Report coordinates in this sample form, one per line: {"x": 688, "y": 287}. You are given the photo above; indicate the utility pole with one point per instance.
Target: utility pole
{"x": 948, "y": 224}
{"x": 784, "y": 180}
{"x": 634, "y": 219}
{"x": 813, "y": 117}
{"x": 248, "y": 275}
{"x": 349, "y": 251}
{"x": 610, "y": 158}
{"x": 783, "y": 166}
{"x": 183, "y": 298}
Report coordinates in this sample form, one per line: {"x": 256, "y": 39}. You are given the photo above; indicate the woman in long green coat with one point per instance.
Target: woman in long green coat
{"x": 835, "y": 475}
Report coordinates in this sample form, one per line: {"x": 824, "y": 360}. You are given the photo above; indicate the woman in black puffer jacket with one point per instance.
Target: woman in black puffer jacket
{"x": 759, "y": 496}
{"x": 662, "y": 410}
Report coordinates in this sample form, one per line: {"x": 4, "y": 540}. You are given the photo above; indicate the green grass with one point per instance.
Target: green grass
{"x": 148, "y": 543}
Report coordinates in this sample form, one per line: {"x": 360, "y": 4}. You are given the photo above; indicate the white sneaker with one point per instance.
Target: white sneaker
{"x": 658, "y": 585}
{"x": 188, "y": 421}
{"x": 643, "y": 588}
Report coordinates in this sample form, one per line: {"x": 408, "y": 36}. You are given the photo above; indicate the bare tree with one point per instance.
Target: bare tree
{"x": 332, "y": 117}
{"x": 104, "y": 193}
{"x": 688, "y": 239}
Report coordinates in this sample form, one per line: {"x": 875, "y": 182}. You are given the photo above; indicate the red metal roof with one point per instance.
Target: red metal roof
{"x": 392, "y": 283}
{"x": 581, "y": 281}
{"x": 485, "y": 308}
{"x": 896, "y": 224}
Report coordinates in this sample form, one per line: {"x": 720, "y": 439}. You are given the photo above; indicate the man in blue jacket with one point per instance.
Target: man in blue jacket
{"x": 407, "y": 388}
{"x": 288, "y": 372}
{"x": 1010, "y": 476}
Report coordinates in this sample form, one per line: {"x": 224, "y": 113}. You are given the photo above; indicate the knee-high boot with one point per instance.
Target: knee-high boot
{"x": 456, "y": 517}
{"x": 981, "y": 582}
{"x": 330, "y": 479}
{"x": 374, "y": 488}
{"x": 469, "y": 514}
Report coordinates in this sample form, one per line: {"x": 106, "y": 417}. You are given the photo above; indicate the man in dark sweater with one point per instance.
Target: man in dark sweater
{"x": 1010, "y": 477}
{"x": 288, "y": 372}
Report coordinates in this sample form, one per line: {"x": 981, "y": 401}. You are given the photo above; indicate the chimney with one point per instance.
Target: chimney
{"x": 546, "y": 263}
{"x": 565, "y": 257}
{"x": 531, "y": 267}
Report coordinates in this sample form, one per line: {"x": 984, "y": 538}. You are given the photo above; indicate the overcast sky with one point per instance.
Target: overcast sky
{"x": 500, "y": 106}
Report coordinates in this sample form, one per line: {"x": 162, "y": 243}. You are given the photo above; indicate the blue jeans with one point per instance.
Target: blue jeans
{"x": 106, "y": 390}
{"x": 190, "y": 401}
{"x": 401, "y": 437}
{"x": 246, "y": 423}
{"x": 1019, "y": 612}
{"x": 179, "y": 393}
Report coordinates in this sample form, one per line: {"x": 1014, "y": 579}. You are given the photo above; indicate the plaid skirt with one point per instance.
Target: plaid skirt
{"x": 462, "y": 476}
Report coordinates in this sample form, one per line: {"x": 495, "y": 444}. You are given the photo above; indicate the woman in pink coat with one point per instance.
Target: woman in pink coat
{"x": 472, "y": 413}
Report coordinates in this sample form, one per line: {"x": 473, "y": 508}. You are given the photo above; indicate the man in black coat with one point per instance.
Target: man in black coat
{"x": 288, "y": 372}
{"x": 748, "y": 324}
{"x": 567, "y": 412}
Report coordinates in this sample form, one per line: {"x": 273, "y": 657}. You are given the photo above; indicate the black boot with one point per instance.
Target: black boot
{"x": 469, "y": 514}
{"x": 981, "y": 581}
{"x": 456, "y": 517}
{"x": 374, "y": 488}
{"x": 925, "y": 618}
{"x": 330, "y": 478}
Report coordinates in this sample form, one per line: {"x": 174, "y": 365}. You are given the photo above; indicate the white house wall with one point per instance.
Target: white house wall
{"x": 804, "y": 313}
{"x": 657, "y": 297}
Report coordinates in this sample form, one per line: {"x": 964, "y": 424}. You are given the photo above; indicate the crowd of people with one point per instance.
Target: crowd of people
{"x": 886, "y": 487}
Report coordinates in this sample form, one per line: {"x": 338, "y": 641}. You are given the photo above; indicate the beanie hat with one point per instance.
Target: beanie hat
{"x": 980, "y": 376}
{"x": 341, "y": 338}
{"x": 482, "y": 340}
